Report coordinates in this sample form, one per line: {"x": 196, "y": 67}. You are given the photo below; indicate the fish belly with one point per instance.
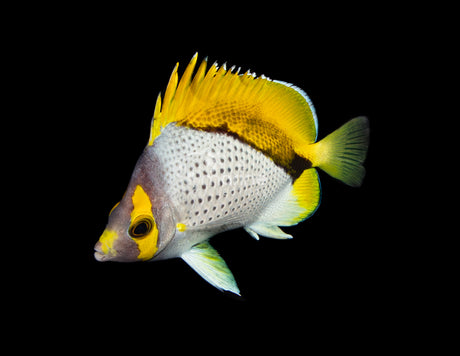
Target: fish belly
{"x": 215, "y": 181}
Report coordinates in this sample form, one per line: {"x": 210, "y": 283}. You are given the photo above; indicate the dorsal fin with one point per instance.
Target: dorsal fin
{"x": 272, "y": 116}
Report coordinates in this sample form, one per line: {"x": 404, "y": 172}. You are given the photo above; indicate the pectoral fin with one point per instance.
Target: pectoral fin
{"x": 205, "y": 260}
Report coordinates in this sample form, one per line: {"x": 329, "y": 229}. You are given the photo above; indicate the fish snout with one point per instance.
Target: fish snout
{"x": 104, "y": 249}
{"x": 102, "y": 253}
{"x": 99, "y": 254}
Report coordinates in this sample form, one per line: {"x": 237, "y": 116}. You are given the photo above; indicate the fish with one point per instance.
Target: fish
{"x": 226, "y": 151}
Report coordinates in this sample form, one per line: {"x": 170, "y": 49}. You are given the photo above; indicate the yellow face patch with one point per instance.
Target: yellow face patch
{"x": 143, "y": 229}
{"x": 107, "y": 239}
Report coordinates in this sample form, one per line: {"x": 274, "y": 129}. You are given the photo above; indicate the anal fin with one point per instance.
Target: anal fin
{"x": 206, "y": 261}
{"x": 295, "y": 203}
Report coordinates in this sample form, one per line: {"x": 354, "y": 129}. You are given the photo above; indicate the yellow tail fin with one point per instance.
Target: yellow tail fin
{"x": 342, "y": 153}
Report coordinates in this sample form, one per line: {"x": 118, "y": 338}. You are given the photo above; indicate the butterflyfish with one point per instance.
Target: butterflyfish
{"x": 226, "y": 151}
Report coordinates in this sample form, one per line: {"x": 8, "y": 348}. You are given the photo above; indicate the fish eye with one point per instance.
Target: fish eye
{"x": 141, "y": 227}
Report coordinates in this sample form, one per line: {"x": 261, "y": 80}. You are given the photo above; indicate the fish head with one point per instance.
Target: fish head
{"x": 132, "y": 231}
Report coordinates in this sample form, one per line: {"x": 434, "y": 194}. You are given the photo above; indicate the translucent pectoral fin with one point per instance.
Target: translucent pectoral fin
{"x": 205, "y": 260}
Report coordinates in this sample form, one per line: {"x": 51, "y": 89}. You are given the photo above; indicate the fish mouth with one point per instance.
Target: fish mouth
{"x": 99, "y": 255}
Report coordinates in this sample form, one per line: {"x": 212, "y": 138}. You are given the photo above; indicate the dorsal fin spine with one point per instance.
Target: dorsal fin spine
{"x": 205, "y": 87}
{"x": 155, "y": 125}
{"x": 199, "y": 76}
{"x": 170, "y": 89}
{"x": 184, "y": 84}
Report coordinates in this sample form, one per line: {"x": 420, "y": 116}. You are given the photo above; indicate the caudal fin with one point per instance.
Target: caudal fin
{"x": 342, "y": 153}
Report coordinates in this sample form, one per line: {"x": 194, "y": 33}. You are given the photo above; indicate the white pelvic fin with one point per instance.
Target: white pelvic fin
{"x": 266, "y": 230}
{"x": 252, "y": 233}
{"x": 205, "y": 260}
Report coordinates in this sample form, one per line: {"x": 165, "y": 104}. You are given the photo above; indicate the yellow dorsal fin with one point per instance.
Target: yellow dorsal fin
{"x": 273, "y": 116}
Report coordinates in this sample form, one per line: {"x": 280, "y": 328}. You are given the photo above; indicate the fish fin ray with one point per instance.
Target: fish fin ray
{"x": 173, "y": 97}
{"x": 341, "y": 154}
{"x": 207, "y": 262}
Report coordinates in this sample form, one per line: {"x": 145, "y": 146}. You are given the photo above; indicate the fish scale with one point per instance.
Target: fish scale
{"x": 214, "y": 179}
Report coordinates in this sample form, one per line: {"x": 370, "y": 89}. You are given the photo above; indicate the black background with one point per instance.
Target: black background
{"x": 338, "y": 264}
{"x": 341, "y": 279}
